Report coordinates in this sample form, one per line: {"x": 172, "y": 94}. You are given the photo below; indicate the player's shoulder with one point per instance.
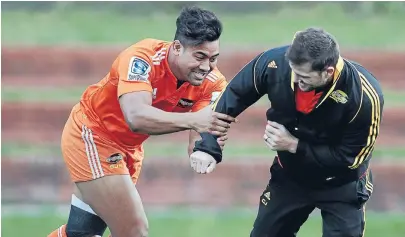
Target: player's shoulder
{"x": 151, "y": 44}
{"x": 359, "y": 91}
{"x": 272, "y": 60}
{"x": 148, "y": 48}
{"x": 214, "y": 80}
{"x": 366, "y": 74}
{"x": 274, "y": 54}
{"x": 144, "y": 55}
{"x": 277, "y": 51}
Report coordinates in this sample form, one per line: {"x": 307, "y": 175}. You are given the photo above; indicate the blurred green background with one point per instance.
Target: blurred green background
{"x": 355, "y": 24}
{"x": 247, "y": 25}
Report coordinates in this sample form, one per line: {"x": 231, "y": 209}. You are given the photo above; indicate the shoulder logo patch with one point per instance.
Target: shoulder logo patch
{"x": 138, "y": 69}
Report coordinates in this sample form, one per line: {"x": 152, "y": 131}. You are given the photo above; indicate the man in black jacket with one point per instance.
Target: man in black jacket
{"x": 323, "y": 122}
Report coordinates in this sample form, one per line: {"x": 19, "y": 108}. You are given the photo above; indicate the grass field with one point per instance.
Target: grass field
{"x": 202, "y": 224}
{"x": 72, "y": 27}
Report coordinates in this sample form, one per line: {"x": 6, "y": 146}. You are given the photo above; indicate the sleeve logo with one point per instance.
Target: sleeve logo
{"x": 214, "y": 96}
{"x": 138, "y": 70}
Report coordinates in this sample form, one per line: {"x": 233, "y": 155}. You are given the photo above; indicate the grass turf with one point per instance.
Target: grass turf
{"x": 202, "y": 224}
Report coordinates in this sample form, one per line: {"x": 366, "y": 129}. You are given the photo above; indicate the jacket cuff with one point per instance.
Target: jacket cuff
{"x": 301, "y": 147}
{"x": 209, "y": 145}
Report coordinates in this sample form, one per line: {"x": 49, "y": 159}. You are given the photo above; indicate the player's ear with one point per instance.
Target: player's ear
{"x": 330, "y": 71}
{"x": 177, "y": 47}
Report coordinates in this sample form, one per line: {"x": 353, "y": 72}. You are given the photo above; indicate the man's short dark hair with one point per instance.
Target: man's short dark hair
{"x": 196, "y": 26}
{"x": 316, "y": 46}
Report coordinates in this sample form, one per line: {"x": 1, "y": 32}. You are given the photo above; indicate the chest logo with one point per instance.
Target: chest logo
{"x": 185, "y": 103}
{"x": 339, "y": 96}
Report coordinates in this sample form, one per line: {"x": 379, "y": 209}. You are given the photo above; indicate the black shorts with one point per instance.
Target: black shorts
{"x": 284, "y": 206}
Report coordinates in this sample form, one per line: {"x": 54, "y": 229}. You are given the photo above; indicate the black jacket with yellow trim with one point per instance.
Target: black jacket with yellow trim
{"x": 336, "y": 139}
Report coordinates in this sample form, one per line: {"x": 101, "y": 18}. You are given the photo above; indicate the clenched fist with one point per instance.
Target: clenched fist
{"x": 278, "y": 138}
{"x": 215, "y": 123}
{"x": 202, "y": 162}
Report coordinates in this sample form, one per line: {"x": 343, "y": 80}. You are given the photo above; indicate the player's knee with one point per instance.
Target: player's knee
{"x": 83, "y": 222}
{"x": 349, "y": 232}
{"x": 346, "y": 231}
{"x": 256, "y": 233}
{"x": 140, "y": 227}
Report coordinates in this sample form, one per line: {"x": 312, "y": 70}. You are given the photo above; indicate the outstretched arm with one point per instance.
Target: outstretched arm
{"x": 248, "y": 86}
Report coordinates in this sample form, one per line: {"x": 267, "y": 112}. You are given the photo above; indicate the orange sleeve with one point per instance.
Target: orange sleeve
{"x": 210, "y": 95}
{"x": 135, "y": 73}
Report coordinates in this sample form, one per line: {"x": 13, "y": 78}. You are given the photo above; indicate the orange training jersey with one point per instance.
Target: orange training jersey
{"x": 143, "y": 67}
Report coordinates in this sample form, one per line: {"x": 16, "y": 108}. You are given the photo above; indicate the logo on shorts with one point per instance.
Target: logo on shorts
{"x": 114, "y": 158}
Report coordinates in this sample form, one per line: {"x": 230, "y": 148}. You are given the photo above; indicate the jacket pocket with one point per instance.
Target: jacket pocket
{"x": 364, "y": 188}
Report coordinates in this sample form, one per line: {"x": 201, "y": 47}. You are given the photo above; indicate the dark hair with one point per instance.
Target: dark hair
{"x": 196, "y": 26}
{"x": 316, "y": 46}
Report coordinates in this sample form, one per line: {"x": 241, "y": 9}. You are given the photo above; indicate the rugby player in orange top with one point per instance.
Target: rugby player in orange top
{"x": 154, "y": 87}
